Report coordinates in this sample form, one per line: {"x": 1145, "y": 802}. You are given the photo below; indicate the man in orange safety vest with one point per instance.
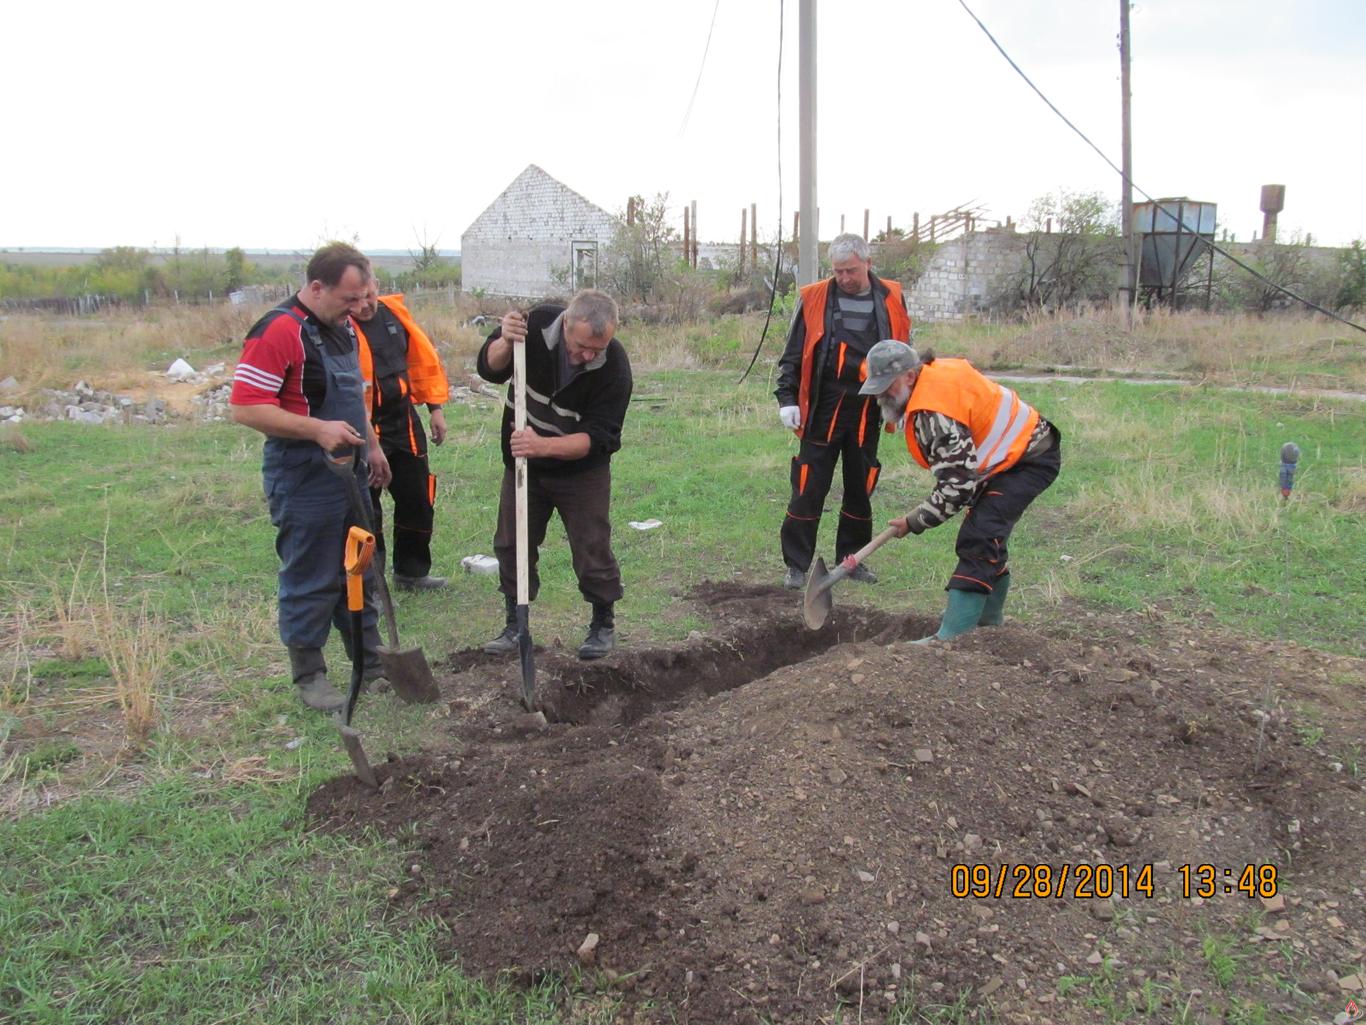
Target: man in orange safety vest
{"x": 991, "y": 454}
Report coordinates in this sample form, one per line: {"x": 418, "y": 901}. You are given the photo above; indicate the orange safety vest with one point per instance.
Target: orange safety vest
{"x": 814, "y": 298}
{"x": 426, "y": 376}
{"x": 1001, "y": 423}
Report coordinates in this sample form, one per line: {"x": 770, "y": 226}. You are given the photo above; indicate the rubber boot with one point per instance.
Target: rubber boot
{"x": 601, "y": 637}
{"x": 960, "y": 615}
{"x": 506, "y": 642}
{"x": 310, "y": 677}
{"x": 993, "y": 612}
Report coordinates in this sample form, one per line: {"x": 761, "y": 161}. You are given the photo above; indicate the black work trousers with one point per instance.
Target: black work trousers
{"x": 853, "y": 444}
{"x": 583, "y": 501}
{"x": 985, "y": 532}
{"x": 414, "y": 492}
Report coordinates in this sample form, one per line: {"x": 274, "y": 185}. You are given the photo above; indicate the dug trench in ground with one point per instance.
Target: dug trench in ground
{"x": 768, "y": 851}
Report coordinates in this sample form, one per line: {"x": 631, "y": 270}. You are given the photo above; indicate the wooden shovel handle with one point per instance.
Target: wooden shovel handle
{"x": 520, "y": 469}
{"x": 850, "y": 562}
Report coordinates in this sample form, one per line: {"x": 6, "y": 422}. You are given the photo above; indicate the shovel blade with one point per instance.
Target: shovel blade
{"x": 351, "y": 741}
{"x": 410, "y": 676}
{"x": 527, "y": 658}
{"x": 817, "y": 602}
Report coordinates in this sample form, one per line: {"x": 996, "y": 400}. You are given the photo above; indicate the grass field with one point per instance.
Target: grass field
{"x": 142, "y": 687}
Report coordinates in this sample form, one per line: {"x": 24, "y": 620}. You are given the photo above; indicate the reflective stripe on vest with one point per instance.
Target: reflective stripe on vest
{"x": 1009, "y": 424}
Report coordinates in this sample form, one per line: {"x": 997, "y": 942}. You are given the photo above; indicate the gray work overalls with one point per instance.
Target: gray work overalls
{"x": 311, "y": 509}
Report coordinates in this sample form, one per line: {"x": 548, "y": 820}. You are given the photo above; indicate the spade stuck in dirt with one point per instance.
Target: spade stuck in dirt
{"x": 406, "y": 669}
{"x": 525, "y": 653}
{"x": 360, "y": 549}
{"x": 817, "y": 601}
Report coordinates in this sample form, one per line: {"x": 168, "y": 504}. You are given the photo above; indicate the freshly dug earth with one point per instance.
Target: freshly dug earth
{"x": 763, "y": 824}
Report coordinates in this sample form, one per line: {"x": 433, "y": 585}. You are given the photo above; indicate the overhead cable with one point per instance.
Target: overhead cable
{"x": 700, "y": 68}
{"x": 778, "y": 260}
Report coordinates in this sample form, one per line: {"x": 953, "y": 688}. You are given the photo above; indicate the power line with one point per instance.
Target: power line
{"x": 1181, "y": 219}
{"x": 701, "y": 67}
{"x": 778, "y": 259}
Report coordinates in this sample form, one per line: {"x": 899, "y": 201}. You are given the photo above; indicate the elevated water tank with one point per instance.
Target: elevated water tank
{"x": 1172, "y": 231}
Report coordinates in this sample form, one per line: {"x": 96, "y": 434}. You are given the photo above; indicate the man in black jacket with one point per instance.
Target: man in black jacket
{"x": 578, "y": 387}
{"x": 819, "y": 376}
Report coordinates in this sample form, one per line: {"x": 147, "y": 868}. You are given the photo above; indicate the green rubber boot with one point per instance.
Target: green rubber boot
{"x": 993, "y": 612}
{"x": 960, "y": 615}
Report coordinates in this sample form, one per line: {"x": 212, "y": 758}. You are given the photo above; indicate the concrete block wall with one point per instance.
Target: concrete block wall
{"x": 518, "y": 245}
{"x": 964, "y": 274}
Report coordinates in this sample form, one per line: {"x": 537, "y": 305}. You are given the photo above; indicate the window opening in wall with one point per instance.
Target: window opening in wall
{"x": 584, "y": 261}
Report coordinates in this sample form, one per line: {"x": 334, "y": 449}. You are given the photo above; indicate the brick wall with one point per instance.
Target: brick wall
{"x": 519, "y": 245}
{"x": 963, "y": 275}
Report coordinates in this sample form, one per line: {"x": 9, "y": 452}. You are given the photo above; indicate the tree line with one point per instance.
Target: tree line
{"x": 132, "y": 274}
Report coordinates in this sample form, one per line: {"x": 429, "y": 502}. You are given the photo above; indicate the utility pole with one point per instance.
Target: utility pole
{"x": 1129, "y": 290}
{"x": 808, "y": 245}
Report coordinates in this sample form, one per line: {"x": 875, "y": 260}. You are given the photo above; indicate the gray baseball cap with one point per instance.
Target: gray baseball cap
{"x": 887, "y": 360}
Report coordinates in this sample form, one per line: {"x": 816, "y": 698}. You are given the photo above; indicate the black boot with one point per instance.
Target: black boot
{"x": 506, "y": 642}
{"x": 310, "y": 678}
{"x": 601, "y": 632}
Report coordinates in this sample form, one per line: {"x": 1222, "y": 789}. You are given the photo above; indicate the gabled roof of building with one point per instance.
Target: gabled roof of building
{"x": 515, "y": 212}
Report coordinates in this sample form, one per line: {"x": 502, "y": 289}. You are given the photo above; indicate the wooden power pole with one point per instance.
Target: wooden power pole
{"x": 808, "y": 245}
{"x": 1129, "y": 291}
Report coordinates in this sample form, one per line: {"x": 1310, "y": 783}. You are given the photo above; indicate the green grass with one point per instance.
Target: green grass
{"x": 193, "y": 901}
{"x": 191, "y": 904}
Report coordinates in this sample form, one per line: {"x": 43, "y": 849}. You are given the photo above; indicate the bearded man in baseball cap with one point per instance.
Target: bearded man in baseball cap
{"x": 991, "y": 454}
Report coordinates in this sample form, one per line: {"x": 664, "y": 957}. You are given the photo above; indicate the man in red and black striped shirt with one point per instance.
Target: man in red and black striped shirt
{"x": 299, "y": 383}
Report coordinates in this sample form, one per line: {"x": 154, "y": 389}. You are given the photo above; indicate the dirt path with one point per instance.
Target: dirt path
{"x": 764, "y": 823}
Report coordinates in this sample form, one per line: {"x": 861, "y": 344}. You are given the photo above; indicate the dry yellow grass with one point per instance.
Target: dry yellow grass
{"x": 117, "y": 350}
{"x": 1234, "y": 349}
{"x": 137, "y": 648}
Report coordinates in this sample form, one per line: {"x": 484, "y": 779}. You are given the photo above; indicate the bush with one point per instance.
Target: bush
{"x": 1070, "y": 255}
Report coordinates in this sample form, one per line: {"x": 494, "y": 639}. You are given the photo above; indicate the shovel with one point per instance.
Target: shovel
{"x": 816, "y": 602}
{"x": 360, "y": 549}
{"x": 406, "y": 670}
{"x": 524, "y": 651}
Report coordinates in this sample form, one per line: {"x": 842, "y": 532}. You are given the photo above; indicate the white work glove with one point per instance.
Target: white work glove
{"x": 791, "y": 416}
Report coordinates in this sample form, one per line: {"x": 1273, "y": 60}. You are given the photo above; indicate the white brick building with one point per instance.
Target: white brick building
{"x": 539, "y": 238}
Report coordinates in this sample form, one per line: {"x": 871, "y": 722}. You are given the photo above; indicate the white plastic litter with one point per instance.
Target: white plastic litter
{"x": 179, "y": 370}
{"x": 645, "y": 524}
{"x": 295, "y": 744}
{"x": 480, "y": 564}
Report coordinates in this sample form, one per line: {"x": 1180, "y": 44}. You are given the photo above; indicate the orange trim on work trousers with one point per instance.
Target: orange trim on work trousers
{"x": 834, "y": 419}
{"x": 1000, "y": 422}
{"x": 814, "y": 299}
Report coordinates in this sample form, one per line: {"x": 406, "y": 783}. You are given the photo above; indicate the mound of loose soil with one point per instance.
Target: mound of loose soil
{"x": 764, "y": 822}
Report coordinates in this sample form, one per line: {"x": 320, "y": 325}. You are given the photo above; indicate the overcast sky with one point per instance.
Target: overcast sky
{"x": 281, "y": 124}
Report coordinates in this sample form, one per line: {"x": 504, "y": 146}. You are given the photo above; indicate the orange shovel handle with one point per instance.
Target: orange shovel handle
{"x": 360, "y": 549}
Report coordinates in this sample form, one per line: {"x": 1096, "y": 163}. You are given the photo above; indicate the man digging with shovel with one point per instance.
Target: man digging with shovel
{"x": 578, "y": 388}
{"x": 990, "y": 453}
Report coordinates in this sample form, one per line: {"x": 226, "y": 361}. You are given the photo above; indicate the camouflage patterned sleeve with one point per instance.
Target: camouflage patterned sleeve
{"x": 952, "y": 456}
